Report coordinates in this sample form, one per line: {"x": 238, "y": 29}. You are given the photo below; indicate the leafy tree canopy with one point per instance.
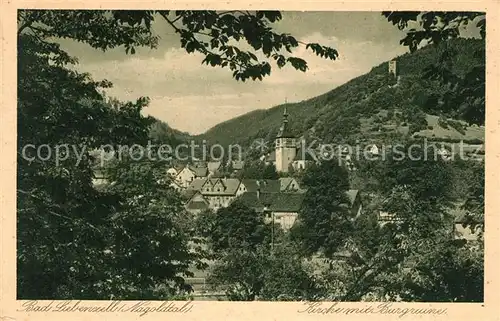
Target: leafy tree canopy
{"x": 75, "y": 240}
{"x": 211, "y": 33}
{"x": 324, "y": 220}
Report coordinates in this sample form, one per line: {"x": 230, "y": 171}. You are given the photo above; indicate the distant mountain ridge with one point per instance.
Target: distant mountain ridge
{"x": 374, "y": 106}
{"x": 163, "y": 133}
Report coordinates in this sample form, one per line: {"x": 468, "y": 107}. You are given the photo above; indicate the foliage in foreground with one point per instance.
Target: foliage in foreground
{"x": 129, "y": 240}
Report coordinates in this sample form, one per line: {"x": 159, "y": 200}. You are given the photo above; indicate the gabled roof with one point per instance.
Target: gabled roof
{"x": 220, "y": 181}
{"x": 257, "y": 201}
{"x": 230, "y": 186}
{"x": 187, "y": 194}
{"x": 352, "y": 194}
{"x": 285, "y": 182}
{"x": 197, "y": 184}
{"x": 218, "y": 174}
{"x": 214, "y": 166}
{"x": 199, "y": 171}
{"x": 187, "y": 168}
{"x": 199, "y": 203}
{"x": 178, "y": 167}
{"x": 275, "y": 202}
{"x": 265, "y": 185}
{"x": 286, "y": 185}
{"x": 281, "y": 202}
{"x": 287, "y": 202}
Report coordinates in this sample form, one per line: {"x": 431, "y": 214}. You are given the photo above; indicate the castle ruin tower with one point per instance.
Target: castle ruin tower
{"x": 285, "y": 146}
{"x": 393, "y": 68}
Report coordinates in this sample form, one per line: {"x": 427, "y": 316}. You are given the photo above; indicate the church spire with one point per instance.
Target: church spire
{"x": 284, "y": 130}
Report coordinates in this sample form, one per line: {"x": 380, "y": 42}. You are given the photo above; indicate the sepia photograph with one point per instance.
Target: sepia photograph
{"x": 206, "y": 155}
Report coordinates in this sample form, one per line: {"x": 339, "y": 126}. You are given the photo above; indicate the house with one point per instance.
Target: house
{"x": 194, "y": 201}
{"x": 172, "y": 171}
{"x": 262, "y": 185}
{"x": 344, "y": 152}
{"x": 99, "y": 179}
{"x": 269, "y": 158}
{"x": 185, "y": 176}
{"x": 217, "y": 192}
{"x": 196, "y": 184}
{"x": 302, "y": 159}
{"x": 444, "y": 153}
{"x": 373, "y": 150}
{"x": 466, "y": 227}
{"x": 283, "y": 208}
{"x": 175, "y": 185}
{"x": 469, "y": 231}
{"x": 289, "y": 184}
{"x": 462, "y": 225}
{"x": 188, "y": 174}
{"x": 385, "y": 217}
{"x": 237, "y": 165}
{"x": 355, "y": 203}
{"x": 200, "y": 171}
{"x": 220, "y": 192}
{"x": 214, "y": 167}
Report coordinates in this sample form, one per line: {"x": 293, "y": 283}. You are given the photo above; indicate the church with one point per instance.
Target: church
{"x": 287, "y": 152}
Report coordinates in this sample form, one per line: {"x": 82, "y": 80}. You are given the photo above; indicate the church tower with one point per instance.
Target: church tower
{"x": 285, "y": 146}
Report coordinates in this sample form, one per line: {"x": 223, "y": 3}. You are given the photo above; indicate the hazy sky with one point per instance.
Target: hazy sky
{"x": 193, "y": 97}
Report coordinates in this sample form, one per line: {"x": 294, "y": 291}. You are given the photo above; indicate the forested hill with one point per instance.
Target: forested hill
{"x": 372, "y": 106}
{"x": 161, "y": 132}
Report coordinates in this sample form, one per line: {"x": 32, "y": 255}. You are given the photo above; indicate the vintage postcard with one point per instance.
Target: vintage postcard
{"x": 204, "y": 160}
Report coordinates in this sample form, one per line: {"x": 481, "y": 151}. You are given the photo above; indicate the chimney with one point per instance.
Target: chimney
{"x": 258, "y": 193}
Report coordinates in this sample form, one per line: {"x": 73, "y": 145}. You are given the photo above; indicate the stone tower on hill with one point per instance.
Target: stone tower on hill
{"x": 393, "y": 68}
